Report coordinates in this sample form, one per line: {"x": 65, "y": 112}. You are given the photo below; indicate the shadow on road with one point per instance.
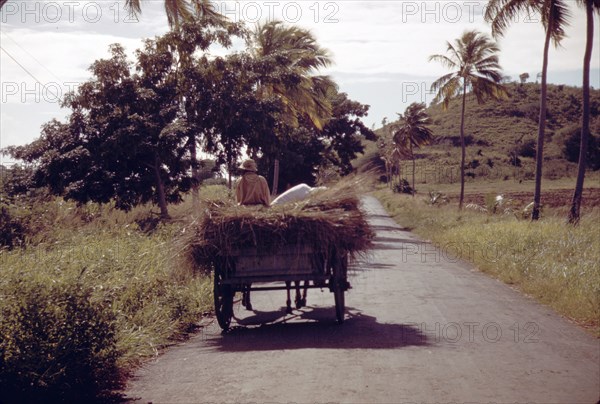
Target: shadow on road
{"x": 362, "y": 266}
{"x": 359, "y": 331}
{"x": 377, "y": 228}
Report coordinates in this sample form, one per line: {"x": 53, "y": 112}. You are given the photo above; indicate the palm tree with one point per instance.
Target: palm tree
{"x": 392, "y": 153}
{"x": 590, "y": 7}
{"x": 554, "y": 17}
{"x": 413, "y": 131}
{"x": 474, "y": 63}
{"x": 297, "y": 55}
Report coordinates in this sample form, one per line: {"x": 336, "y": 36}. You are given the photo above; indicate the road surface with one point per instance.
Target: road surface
{"x": 421, "y": 326}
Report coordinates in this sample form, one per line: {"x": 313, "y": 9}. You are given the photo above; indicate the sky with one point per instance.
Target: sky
{"x": 380, "y": 49}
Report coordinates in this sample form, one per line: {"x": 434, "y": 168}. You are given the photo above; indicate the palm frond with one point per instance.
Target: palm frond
{"x": 484, "y": 89}
{"x": 443, "y": 60}
{"x": 177, "y": 12}
{"x": 447, "y": 90}
{"x": 134, "y": 7}
{"x": 555, "y": 17}
{"x": 501, "y": 13}
{"x": 207, "y": 10}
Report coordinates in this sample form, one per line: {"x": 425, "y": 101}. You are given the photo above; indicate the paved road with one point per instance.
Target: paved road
{"x": 421, "y": 327}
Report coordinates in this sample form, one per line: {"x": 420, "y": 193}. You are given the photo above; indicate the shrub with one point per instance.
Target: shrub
{"x": 56, "y": 344}
{"x": 514, "y": 160}
{"x": 403, "y": 188}
{"x": 12, "y": 230}
{"x": 571, "y": 149}
{"x": 473, "y": 164}
{"x": 527, "y": 149}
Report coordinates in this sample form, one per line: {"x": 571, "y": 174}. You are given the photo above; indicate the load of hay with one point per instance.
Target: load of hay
{"x": 330, "y": 220}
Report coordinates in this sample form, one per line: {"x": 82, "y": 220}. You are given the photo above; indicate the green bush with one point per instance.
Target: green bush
{"x": 91, "y": 295}
{"x": 403, "y": 187}
{"x": 56, "y": 344}
{"x": 527, "y": 149}
{"x": 12, "y": 230}
{"x": 572, "y": 145}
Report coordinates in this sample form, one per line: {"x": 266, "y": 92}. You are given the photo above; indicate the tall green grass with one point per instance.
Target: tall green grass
{"x": 549, "y": 260}
{"x": 87, "y": 269}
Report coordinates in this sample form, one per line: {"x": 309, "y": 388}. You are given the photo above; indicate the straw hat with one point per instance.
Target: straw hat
{"x": 249, "y": 165}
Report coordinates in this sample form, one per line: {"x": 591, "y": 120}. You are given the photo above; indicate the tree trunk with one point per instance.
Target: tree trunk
{"x": 195, "y": 185}
{"x": 399, "y": 170}
{"x": 275, "y": 177}
{"x": 462, "y": 147}
{"x": 574, "y": 213}
{"x": 413, "y": 173}
{"x": 539, "y": 155}
{"x": 230, "y": 169}
{"x": 160, "y": 189}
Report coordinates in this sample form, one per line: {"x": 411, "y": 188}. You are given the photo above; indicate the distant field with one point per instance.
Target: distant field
{"x": 555, "y": 193}
{"x": 500, "y": 152}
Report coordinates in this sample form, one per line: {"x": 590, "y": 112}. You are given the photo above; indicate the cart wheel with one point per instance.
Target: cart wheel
{"x": 223, "y": 295}
{"x": 340, "y": 305}
{"x": 340, "y": 285}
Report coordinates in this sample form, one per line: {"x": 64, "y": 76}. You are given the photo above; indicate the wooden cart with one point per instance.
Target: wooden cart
{"x": 249, "y": 269}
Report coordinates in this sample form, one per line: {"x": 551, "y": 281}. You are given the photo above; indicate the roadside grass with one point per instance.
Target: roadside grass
{"x": 553, "y": 262}
{"x": 91, "y": 268}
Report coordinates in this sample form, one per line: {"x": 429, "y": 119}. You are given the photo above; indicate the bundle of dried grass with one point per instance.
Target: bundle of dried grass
{"x": 330, "y": 220}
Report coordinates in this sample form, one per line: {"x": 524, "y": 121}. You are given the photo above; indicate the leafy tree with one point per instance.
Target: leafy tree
{"x": 15, "y": 182}
{"x": 554, "y": 17}
{"x": 591, "y": 6}
{"x": 118, "y": 142}
{"x": 181, "y": 15}
{"x": 307, "y": 150}
{"x": 229, "y": 111}
{"x": 299, "y": 160}
{"x": 413, "y": 131}
{"x": 192, "y": 36}
{"x": 474, "y": 63}
{"x": 345, "y": 131}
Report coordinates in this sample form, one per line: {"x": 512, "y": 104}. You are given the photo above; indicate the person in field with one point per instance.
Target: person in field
{"x": 252, "y": 189}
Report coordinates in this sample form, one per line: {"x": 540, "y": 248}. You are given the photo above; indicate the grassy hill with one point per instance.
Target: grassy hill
{"x": 501, "y": 136}
{"x": 501, "y": 124}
